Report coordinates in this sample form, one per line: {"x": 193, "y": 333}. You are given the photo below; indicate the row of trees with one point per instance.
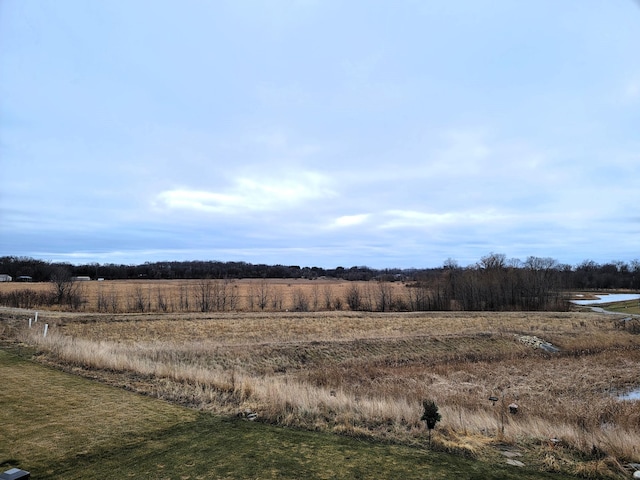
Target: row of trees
{"x": 494, "y": 284}
{"x": 41, "y": 271}
{"x": 497, "y": 284}
{"x": 586, "y": 275}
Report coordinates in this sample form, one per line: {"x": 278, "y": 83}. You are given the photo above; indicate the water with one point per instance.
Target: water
{"x": 632, "y": 395}
{"x": 614, "y": 297}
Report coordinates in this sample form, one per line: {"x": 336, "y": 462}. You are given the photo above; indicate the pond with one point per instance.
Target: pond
{"x": 632, "y": 395}
{"x": 613, "y": 297}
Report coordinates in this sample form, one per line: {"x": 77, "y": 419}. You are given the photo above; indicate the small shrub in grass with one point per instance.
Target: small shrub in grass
{"x": 431, "y": 416}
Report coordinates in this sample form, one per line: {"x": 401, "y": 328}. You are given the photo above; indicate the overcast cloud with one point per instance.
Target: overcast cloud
{"x": 320, "y": 133}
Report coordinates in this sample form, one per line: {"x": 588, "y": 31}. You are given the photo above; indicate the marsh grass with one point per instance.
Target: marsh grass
{"x": 365, "y": 375}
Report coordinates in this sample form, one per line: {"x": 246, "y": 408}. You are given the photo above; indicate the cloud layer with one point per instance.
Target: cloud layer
{"x": 319, "y": 133}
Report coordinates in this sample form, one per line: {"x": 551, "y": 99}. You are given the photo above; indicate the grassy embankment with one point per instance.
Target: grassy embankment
{"x": 57, "y": 425}
{"x": 364, "y": 375}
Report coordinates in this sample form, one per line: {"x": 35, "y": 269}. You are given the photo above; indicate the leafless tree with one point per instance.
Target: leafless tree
{"x": 277, "y": 299}
{"x": 102, "y": 302}
{"x": 204, "y": 295}
{"x": 354, "y": 297}
{"x": 183, "y": 298}
{"x": 384, "y": 297}
{"x": 327, "y": 293}
{"x": 234, "y": 297}
{"x": 114, "y": 301}
{"x": 163, "y": 305}
{"x": 315, "y": 297}
{"x": 139, "y": 301}
{"x": 66, "y": 291}
{"x": 262, "y": 293}
{"x": 300, "y": 301}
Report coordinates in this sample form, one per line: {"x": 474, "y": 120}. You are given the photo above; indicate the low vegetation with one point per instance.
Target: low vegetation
{"x": 365, "y": 375}
{"x": 82, "y": 432}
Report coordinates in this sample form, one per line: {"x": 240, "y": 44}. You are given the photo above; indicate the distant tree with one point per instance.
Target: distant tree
{"x": 65, "y": 289}
{"x": 430, "y": 416}
{"x": 263, "y": 293}
{"x": 300, "y": 301}
{"x": 204, "y": 295}
{"x": 384, "y": 296}
{"x": 328, "y": 297}
{"x": 354, "y": 297}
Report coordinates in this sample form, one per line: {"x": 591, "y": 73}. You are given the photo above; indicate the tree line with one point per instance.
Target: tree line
{"x": 586, "y": 275}
{"x": 494, "y": 283}
{"x": 41, "y": 271}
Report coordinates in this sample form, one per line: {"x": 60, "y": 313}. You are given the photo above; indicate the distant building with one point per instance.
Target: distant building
{"x": 5, "y": 278}
{"x": 24, "y": 278}
{"x": 81, "y": 278}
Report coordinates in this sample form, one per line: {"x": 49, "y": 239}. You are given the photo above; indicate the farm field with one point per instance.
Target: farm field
{"x": 166, "y": 296}
{"x": 364, "y": 375}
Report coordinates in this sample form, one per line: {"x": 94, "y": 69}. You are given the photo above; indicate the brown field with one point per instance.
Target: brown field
{"x": 121, "y": 296}
{"x": 365, "y": 374}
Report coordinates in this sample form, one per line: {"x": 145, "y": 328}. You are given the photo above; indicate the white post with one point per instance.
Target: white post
{"x": 46, "y": 327}
{"x": 29, "y": 323}
{"x": 36, "y": 317}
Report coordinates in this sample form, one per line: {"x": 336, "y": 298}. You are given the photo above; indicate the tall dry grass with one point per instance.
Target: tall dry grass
{"x": 247, "y": 295}
{"x": 366, "y": 374}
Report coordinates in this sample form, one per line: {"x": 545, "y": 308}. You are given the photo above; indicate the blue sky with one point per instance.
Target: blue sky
{"x": 320, "y": 133}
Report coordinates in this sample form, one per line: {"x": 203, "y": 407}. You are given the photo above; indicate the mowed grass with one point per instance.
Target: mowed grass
{"x": 57, "y": 425}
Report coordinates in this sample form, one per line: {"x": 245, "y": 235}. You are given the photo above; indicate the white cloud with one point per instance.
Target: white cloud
{"x": 395, "y": 219}
{"x": 249, "y": 195}
{"x": 351, "y": 220}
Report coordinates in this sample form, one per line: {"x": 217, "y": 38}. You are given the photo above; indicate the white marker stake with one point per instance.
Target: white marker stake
{"x": 46, "y": 327}
{"x": 29, "y": 323}
{"x": 36, "y": 317}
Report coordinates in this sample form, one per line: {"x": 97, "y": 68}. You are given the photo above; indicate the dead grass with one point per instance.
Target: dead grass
{"x": 169, "y": 296}
{"x": 366, "y": 374}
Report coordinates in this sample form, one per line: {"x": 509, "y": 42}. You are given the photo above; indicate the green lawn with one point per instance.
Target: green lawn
{"x": 60, "y": 426}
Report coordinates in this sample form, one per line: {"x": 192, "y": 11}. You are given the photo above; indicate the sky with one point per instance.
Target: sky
{"x": 320, "y": 132}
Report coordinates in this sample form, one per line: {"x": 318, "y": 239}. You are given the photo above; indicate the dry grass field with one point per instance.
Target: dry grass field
{"x": 61, "y": 426}
{"x": 166, "y": 296}
{"x": 365, "y": 374}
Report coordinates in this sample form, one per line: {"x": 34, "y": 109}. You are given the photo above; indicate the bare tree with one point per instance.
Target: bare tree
{"x": 277, "y": 299}
{"x": 114, "y": 301}
{"x": 354, "y": 297}
{"x": 384, "y": 298}
{"x": 315, "y": 297}
{"x": 204, "y": 295}
{"x": 300, "y": 301}
{"x": 66, "y": 291}
{"x": 102, "y": 302}
{"x": 220, "y": 295}
{"x": 328, "y": 297}
{"x": 140, "y": 301}
{"x": 183, "y": 298}
{"x": 263, "y": 294}
{"x": 163, "y": 305}
{"x": 250, "y": 297}
{"x": 234, "y": 297}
